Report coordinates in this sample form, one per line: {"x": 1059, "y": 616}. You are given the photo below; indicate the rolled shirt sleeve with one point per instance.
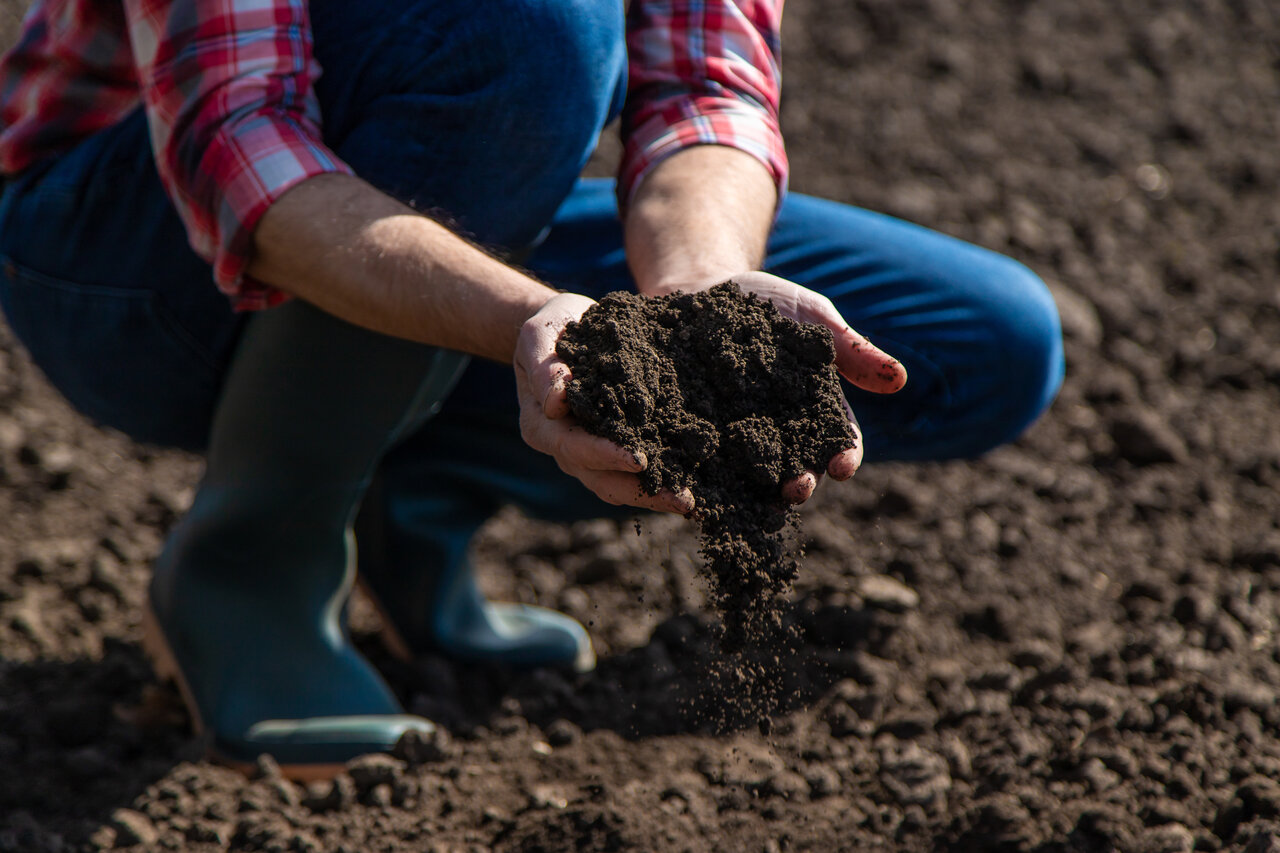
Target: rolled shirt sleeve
{"x": 701, "y": 72}
{"x": 234, "y": 120}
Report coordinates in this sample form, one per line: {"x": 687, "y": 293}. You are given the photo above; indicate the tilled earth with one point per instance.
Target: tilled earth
{"x": 1069, "y": 644}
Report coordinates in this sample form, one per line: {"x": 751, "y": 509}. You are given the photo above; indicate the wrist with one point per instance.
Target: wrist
{"x": 701, "y": 216}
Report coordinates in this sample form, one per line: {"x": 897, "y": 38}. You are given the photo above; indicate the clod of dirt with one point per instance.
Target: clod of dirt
{"x": 726, "y": 397}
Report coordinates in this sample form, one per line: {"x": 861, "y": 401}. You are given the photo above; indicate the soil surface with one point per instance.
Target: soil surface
{"x": 1069, "y": 644}
{"x": 724, "y": 396}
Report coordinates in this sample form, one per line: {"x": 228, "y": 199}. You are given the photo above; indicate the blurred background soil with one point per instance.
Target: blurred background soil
{"x": 1067, "y": 645}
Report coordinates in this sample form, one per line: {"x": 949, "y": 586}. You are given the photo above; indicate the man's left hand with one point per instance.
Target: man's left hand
{"x": 857, "y": 360}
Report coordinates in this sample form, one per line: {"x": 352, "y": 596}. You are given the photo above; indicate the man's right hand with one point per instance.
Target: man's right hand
{"x": 546, "y": 424}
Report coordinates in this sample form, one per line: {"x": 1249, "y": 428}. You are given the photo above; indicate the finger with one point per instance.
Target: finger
{"x": 681, "y": 502}
{"x": 537, "y": 352}
{"x": 547, "y": 373}
{"x": 866, "y": 365}
{"x": 591, "y": 451}
{"x": 845, "y": 463}
{"x": 857, "y": 359}
{"x": 625, "y": 490}
{"x": 555, "y": 404}
{"x": 797, "y": 490}
{"x": 570, "y": 444}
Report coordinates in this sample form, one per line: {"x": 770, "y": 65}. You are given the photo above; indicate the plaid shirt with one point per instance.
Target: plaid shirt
{"x": 227, "y": 85}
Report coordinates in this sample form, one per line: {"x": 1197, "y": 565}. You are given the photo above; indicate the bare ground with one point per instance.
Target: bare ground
{"x": 1068, "y": 645}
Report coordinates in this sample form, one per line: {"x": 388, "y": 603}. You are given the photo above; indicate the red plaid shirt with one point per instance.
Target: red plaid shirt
{"x": 227, "y": 85}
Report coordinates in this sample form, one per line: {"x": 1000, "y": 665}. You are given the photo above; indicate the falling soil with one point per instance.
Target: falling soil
{"x": 724, "y": 396}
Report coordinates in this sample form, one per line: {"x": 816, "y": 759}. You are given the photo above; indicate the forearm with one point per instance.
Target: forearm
{"x": 700, "y": 217}
{"x": 347, "y": 248}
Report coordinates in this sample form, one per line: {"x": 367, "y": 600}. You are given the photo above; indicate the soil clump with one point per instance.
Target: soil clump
{"x": 725, "y": 396}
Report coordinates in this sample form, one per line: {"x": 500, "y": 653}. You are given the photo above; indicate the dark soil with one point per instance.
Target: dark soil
{"x": 1068, "y": 645}
{"x": 724, "y": 396}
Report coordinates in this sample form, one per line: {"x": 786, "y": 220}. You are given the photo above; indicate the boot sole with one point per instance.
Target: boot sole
{"x": 156, "y": 647}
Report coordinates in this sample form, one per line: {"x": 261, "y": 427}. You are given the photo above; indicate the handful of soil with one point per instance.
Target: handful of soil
{"x": 724, "y": 396}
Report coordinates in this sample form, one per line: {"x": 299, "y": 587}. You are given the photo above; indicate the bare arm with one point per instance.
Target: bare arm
{"x": 700, "y": 217}
{"x": 342, "y": 245}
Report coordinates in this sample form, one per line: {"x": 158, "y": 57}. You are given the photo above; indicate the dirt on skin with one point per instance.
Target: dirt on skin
{"x": 728, "y": 398}
{"x": 1069, "y": 644}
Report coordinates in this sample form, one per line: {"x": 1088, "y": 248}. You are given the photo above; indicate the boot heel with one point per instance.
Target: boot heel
{"x": 156, "y": 647}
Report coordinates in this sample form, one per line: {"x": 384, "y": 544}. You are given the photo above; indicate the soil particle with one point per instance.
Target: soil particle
{"x": 1264, "y": 841}
{"x": 914, "y": 775}
{"x": 1144, "y": 438}
{"x": 132, "y": 827}
{"x": 887, "y": 593}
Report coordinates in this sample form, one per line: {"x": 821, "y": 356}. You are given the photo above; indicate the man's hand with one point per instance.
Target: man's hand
{"x": 547, "y": 425}
{"x": 863, "y": 364}
{"x": 703, "y": 216}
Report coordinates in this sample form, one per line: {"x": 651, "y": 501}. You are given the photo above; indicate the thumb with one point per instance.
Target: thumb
{"x": 867, "y": 366}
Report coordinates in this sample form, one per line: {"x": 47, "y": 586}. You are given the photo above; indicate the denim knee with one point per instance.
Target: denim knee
{"x": 1029, "y": 359}
{"x": 483, "y": 112}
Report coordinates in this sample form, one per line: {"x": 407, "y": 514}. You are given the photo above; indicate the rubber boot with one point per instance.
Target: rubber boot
{"x": 248, "y": 591}
{"x": 414, "y": 532}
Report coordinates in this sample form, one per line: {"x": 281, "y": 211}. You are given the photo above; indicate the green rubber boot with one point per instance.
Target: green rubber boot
{"x": 247, "y": 595}
{"x": 414, "y": 533}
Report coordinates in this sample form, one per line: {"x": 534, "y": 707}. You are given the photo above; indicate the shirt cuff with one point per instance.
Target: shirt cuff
{"x": 247, "y": 168}
{"x": 706, "y": 120}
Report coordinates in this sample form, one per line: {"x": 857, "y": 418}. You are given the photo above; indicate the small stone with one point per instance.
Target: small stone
{"x": 261, "y": 832}
{"x": 369, "y": 771}
{"x": 788, "y": 785}
{"x": 1099, "y": 777}
{"x": 1035, "y": 654}
{"x": 266, "y": 767}
{"x": 1144, "y": 438}
{"x": 379, "y": 796}
{"x": 914, "y": 775}
{"x": 103, "y": 838}
{"x": 823, "y": 781}
{"x": 547, "y": 797}
{"x": 204, "y": 832}
{"x": 1263, "y": 842}
{"x": 403, "y": 791}
{"x": 286, "y": 792}
{"x": 1169, "y": 838}
{"x": 417, "y": 747}
{"x": 1261, "y": 796}
{"x": 132, "y": 827}
{"x": 563, "y": 733}
{"x": 887, "y": 593}
{"x": 334, "y": 795}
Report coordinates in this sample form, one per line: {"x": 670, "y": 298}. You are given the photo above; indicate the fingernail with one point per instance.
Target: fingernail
{"x": 639, "y": 460}
{"x": 684, "y": 501}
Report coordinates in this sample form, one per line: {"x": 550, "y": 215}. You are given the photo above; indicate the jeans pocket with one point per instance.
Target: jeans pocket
{"x": 116, "y": 355}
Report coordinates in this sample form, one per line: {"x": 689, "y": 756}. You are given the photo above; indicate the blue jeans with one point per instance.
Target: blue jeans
{"x": 486, "y": 114}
